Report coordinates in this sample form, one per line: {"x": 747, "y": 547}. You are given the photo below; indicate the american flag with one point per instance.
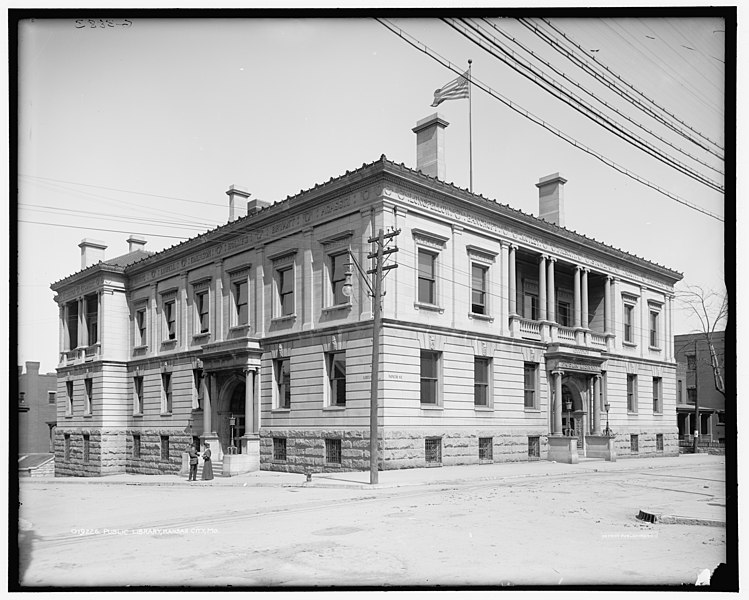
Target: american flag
{"x": 457, "y": 88}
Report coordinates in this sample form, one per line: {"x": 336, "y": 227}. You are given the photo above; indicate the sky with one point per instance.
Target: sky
{"x": 140, "y": 126}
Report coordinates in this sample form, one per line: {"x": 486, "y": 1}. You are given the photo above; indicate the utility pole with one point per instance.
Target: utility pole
{"x": 697, "y": 427}
{"x": 378, "y": 271}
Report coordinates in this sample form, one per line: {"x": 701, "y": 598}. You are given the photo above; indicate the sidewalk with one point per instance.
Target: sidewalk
{"x": 405, "y": 477}
{"x": 696, "y": 508}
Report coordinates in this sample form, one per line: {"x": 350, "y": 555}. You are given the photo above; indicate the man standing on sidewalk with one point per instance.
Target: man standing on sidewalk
{"x": 193, "y": 463}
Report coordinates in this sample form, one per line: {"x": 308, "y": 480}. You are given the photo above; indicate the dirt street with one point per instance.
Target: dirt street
{"x": 555, "y": 530}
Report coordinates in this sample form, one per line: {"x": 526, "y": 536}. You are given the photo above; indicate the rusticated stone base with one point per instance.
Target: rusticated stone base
{"x": 646, "y": 444}
{"x": 150, "y": 461}
{"x": 305, "y": 449}
{"x": 106, "y": 453}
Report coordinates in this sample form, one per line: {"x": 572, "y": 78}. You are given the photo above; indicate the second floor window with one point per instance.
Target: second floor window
{"x": 530, "y": 385}
{"x": 285, "y": 283}
{"x": 481, "y": 370}
{"x": 530, "y": 306}
{"x": 141, "y": 333}
{"x": 166, "y": 393}
{"x": 337, "y": 377}
{"x": 429, "y": 377}
{"x": 241, "y": 306}
{"x": 427, "y": 277}
{"x": 564, "y": 314}
{"x": 653, "y": 329}
{"x": 92, "y": 318}
{"x": 170, "y": 319}
{"x": 338, "y": 271}
{"x": 201, "y": 311}
{"x": 478, "y": 289}
{"x": 69, "y": 399}
{"x": 137, "y": 395}
{"x": 691, "y": 362}
{"x": 632, "y": 393}
{"x": 72, "y": 325}
{"x": 283, "y": 382}
{"x": 88, "y": 388}
{"x": 629, "y": 329}
{"x": 657, "y": 395}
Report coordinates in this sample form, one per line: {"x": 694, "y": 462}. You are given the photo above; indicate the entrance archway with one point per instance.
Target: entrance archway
{"x": 573, "y": 420}
{"x": 231, "y": 405}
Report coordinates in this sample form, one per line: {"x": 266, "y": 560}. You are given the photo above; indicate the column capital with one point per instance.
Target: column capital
{"x": 513, "y": 246}
{"x": 551, "y": 258}
{"x": 557, "y": 372}
{"x": 579, "y": 268}
{"x": 543, "y": 257}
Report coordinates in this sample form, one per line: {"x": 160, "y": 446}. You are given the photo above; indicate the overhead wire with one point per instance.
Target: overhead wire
{"x": 596, "y": 97}
{"x": 614, "y": 86}
{"x": 540, "y": 122}
{"x": 176, "y": 237}
{"x": 576, "y": 102}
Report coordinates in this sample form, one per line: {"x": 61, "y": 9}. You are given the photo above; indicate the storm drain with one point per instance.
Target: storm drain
{"x": 647, "y": 517}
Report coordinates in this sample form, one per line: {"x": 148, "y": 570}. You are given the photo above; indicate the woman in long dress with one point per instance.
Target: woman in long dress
{"x": 207, "y": 465}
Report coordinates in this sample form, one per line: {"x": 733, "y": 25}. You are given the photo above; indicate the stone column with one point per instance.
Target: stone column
{"x": 182, "y": 318}
{"x": 576, "y": 308}
{"x": 512, "y": 282}
{"x": 597, "y": 405}
{"x": 152, "y": 335}
{"x": 249, "y": 394}
{"x": 557, "y": 404}
{"x": 584, "y": 304}
{"x": 607, "y": 306}
{"x": 207, "y": 391}
{"x": 668, "y": 340}
{"x": 258, "y": 307}
{"x": 218, "y": 304}
{"x": 82, "y": 333}
{"x": 551, "y": 298}
{"x": 644, "y": 324}
{"x": 504, "y": 308}
{"x": 62, "y": 311}
{"x": 542, "y": 288}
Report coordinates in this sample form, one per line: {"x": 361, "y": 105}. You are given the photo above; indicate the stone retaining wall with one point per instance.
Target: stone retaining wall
{"x": 647, "y": 445}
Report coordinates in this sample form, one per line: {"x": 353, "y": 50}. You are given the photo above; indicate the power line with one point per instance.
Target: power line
{"x": 538, "y": 121}
{"x": 100, "y": 229}
{"x": 554, "y": 43}
{"x": 575, "y": 102}
{"x": 595, "y": 97}
{"x": 111, "y": 189}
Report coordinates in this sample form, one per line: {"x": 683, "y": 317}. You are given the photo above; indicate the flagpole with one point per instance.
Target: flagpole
{"x": 470, "y": 131}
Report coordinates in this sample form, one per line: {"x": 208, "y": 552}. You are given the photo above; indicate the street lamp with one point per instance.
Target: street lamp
{"x": 232, "y": 423}
{"x": 607, "y": 431}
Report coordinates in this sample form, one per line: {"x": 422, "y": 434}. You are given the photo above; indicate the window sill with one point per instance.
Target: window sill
{"x": 480, "y": 317}
{"x": 240, "y": 329}
{"x": 629, "y": 344}
{"x": 632, "y": 414}
{"x": 138, "y": 415}
{"x": 68, "y": 416}
{"x": 201, "y": 336}
{"x": 88, "y": 416}
{"x": 333, "y": 465}
{"x": 337, "y": 308}
{"x": 283, "y": 319}
{"x": 531, "y": 410}
{"x": 334, "y": 408}
{"x": 432, "y": 307}
{"x": 481, "y": 408}
{"x": 431, "y": 407}
{"x": 278, "y": 461}
{"x": 169, "y": 343}
{"x": 280, "y": 410}
{"x": 654, "y": 348}
{"x": 165, "y": 414}
{"x": 140, "y": 349}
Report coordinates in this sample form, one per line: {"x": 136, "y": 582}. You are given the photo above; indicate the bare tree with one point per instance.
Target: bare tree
{"x": 711, "y": 309}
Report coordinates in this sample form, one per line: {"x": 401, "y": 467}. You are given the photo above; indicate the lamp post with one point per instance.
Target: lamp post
{"x": 232, "y": 423}
{"x": 607, "y": 431}
{"x": 568, "y": 407}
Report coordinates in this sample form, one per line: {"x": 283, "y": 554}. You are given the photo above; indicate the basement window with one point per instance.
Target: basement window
{"x": 485, "y": 449}
{"x": 433, "y": 451}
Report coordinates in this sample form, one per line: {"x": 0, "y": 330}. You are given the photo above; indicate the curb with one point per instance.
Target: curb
{"x": 653, "y": 517}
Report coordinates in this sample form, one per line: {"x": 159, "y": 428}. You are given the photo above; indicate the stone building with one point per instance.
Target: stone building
{"x": 504, "y": 336}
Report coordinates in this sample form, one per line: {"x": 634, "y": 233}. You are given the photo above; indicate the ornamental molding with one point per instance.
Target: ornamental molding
{"x": 428, "y": 239}
{"x": 480, "y": 254}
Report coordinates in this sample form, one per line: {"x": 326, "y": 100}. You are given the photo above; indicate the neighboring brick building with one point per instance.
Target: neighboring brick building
{"x": 695, "y": 383}
{"x": 37, "y": 410}
{"x": 501, "y": 331}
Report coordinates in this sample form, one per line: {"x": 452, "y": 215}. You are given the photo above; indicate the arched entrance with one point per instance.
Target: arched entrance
{"x": 574, "y": 408}
{"x": 231, "y": 406}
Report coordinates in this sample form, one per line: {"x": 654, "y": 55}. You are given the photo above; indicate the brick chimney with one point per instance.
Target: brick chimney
{"x": 235, "y": 192}
{"x": 551, "y": 198}
{"x": 256, "y": 205}
{"x": 135, "y": 243}
{"x": 92, "y": 251}
{"x": 430, "y": 146}
{"x": 32, "y": 367}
